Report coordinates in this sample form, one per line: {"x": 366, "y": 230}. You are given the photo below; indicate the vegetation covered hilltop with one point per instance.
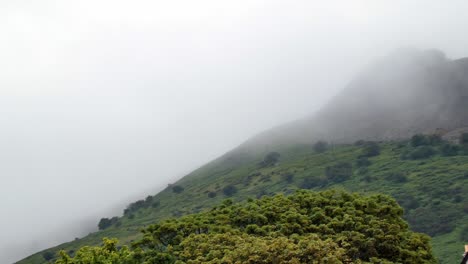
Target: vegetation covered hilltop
{"x": 426, "y": 175}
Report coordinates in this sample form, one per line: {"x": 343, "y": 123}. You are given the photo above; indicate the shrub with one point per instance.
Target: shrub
{"x": 270, "y": 159}
{"x": 48, "y": 255}
{"x": 339, "y": 172}
{"x": 426, "y": 140}
{"x": 421, "y": 152}
{"x": 105, "y": 223}
{"x": 229, "y": 190}
{"x": 320, "y": 146}
{"x": 448, "y": 149}
{"x": 177, "y": 189}
{"x": 371, "y": 149}
{"x": 419, "y": 140}
{"x": 212, "y": 194}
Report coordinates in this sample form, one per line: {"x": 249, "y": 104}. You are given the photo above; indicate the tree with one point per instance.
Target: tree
{"x": 48, "y": 255}
{"x": 371, "y": 149}
{"x": 320, "y": 146}
{"x": 229, "y": 190}
{"x": 177, "y": 189}
{"x": 105, "y": 223}
{"x": 270, "y": 159}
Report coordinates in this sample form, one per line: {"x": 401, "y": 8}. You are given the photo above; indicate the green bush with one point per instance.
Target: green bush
{"x": 48, "y": 255}
{"x": 229, "y": 190}
{"x": 421, "y": 152}
{"x": 371, "y": 149}
{"x": 105, "y": 223}
{"x": 270, "y": 159}
{"x": 177, "y": 189}
{"x": 339, "y": 172}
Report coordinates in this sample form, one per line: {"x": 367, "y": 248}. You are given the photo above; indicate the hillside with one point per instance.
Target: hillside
{"x": 430, "y": 185}
{"x": 406, "y": 93}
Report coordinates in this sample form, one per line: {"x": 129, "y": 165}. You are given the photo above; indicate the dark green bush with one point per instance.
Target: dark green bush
{"x": 448, "y": 149}
{"x": 371, "y": 149}
{"x": 421, "y": 152}
{"x": 212, "y": 194}
{"x": 177, "y": 189}
{"x": 339, "y": 172}
{"x": 229, "y": 190}
{"x": 48, "y": 255}
{"x": 270, "y": 159}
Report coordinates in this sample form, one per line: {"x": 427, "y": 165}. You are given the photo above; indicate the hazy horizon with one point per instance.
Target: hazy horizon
{"x": 105, "y": 102}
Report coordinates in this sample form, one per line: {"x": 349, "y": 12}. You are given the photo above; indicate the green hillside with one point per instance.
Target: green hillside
{"x": 425, "y": 175}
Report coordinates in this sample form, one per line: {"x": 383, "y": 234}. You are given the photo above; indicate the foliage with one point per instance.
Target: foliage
{"x": 435, "y": 194}
{"x": 229, "y": 190}
{"x": 106, "y": 254}
{"x": 420, "y": 152}
{"x": 48, "y": 255}
{"x": 177, "y": 189}
{"x": 339, "y": 172}
{"x": 106, "y": 222}
{"x": 307, "y": 227}
{"x": 425, "y": 140}
{"x": 320, "y": 146}
{"x": 270, "y": 159}
{"x": 371, "y": 149}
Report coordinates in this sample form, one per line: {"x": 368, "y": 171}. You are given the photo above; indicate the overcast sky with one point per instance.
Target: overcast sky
{"x": 103, "y": 102}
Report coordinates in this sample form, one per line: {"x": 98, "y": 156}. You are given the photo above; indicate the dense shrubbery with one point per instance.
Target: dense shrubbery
{"x": 308, "y": 227}
{"x": 148, "y": 202}
{"x": 105, "y": 223}
{"x": 421, "y": 152}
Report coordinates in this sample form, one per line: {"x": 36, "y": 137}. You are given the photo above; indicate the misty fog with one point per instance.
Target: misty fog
{"x": 104, "y": 102}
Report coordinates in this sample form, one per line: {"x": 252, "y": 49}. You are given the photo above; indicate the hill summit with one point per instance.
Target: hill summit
{"x": 405, "y": 93}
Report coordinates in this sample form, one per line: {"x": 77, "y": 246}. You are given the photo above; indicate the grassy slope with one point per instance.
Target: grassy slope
{"x": 431, "y": 182}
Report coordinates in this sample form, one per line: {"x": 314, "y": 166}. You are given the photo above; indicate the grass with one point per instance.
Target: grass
{"x": 432, "y": 190}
